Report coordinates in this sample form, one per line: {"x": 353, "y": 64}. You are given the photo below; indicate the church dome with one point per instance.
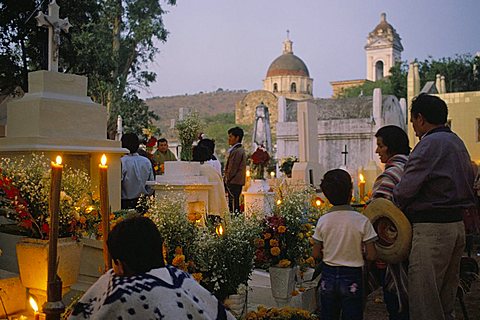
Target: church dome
{"x": 287, "y": 64}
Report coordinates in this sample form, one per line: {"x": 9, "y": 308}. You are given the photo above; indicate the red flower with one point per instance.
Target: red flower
{"x": 152, "y": 142}
{"x": 260, "y": 156}
{"x": 45, "y": 228}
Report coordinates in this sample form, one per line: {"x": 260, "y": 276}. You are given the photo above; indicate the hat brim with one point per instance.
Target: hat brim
{"x": 393, "y": 229}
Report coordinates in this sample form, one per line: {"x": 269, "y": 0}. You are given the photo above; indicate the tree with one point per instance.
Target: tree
{"x": 461, "y": 74}
{"x": 111, "y": 42}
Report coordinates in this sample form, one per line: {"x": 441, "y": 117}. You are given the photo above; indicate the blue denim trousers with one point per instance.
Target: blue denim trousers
{"x": 341, "y": 293}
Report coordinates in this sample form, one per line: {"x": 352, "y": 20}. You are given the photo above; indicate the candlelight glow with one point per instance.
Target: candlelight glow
{"x": 33, "y": 304}
{"x": 362, "y": 179}
{"x": 248, "y": 174}
{"x": 219, "y": 230}
{"x": 318, "y": 202}
{"x": 279, "y": 202}
{"x": 103, "y": 161}
{"x": 272, "y": 174}
{"x": 58, "y": 160}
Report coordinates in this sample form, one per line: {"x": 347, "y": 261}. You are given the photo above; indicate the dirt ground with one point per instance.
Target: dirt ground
{"x": 377, "y": 311}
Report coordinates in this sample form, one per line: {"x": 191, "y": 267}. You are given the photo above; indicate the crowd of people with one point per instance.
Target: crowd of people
{"x": 433, "y": 185}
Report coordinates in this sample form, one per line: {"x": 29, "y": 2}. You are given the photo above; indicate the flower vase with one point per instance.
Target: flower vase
{"x": 236, "y": 304}
{"x": 32, "y": 255}
{"x": 282, "y": 282}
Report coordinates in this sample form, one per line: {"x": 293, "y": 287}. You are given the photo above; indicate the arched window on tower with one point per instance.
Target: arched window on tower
{"x": 275, "y": 87}
{"x": 379, "y": 70}
{"x": 308, "y": 89}
{"x": 293, "y": 87}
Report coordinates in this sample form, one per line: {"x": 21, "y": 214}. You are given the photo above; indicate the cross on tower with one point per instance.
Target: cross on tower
{"x": 55, "y": 25}
{"x": 345, "y": 152}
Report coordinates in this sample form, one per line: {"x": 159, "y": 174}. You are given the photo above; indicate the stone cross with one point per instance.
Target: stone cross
{"x": 55, "y": 26}
{"x": 345, "y": 153}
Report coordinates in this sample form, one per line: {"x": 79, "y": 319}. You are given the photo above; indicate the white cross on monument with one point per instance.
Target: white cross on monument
{"x": 55, "y": 25}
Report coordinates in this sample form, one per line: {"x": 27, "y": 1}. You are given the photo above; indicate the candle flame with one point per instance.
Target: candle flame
{"x": 272, "y": 174}
{"x": 219, "y": 230}
{"x": 103, "y": 161}
{"x": 279, "y": 202}
{"x": 318, "y": 202}
{"x": 58, "y": 160}
{"x": 248, "y": 174}
{"x": 33, "y": 304}
{"x": 362, "y": 179}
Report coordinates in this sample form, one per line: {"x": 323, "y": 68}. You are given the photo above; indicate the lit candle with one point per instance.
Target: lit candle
{"x": 361, "y": 187}
{"x": 272, "y": 174}
{"x": 248, "y": 173}
{"x": 54, "y": 283}
{"x": 34, "y": 305}
{"x": 104, "y": 209}
{"x": 219, "y": 230}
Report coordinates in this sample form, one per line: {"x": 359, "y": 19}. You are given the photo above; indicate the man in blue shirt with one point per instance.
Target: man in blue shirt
{"x": 136, "y": 171}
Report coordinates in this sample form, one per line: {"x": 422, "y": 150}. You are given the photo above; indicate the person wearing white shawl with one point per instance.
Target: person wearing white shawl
{"x": 140, "y": 286}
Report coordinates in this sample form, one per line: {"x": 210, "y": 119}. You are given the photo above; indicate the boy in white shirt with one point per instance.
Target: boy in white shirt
{"x": 343, "y": 238}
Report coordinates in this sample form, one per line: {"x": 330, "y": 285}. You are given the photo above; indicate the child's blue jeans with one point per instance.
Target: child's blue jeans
{"x": 341, "y": 293}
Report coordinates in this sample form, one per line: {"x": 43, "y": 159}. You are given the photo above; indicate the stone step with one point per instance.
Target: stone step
{"x": 13, "y": 294}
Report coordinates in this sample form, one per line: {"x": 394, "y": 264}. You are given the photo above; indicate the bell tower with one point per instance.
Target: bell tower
{"x": 383, "y": 49}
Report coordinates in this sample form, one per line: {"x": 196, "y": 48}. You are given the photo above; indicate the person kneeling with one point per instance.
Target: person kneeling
{"x": 141, "y": 286}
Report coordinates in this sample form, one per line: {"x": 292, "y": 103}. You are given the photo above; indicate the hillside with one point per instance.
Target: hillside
{"x": 206, "y": 104}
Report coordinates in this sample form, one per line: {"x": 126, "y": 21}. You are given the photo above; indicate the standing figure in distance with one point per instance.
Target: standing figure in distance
{"x": 435, "y": 190}
{"x": 161, "y": 155}
{"x": 136, "y": 171}
{"x": 235, "y": 169}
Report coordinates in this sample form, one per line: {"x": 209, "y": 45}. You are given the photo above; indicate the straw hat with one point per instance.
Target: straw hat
{"x": 393, "y": 229}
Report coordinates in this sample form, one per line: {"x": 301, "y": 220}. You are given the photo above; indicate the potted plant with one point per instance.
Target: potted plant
{"x": 24, "y": 194}
{"x": 285, "y": 241}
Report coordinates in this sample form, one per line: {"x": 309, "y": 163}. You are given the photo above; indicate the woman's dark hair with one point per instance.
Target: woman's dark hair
{"x": 208, "y": 143}
{"x": 137, "y": 243}
{"x": 336, "y": 185}
{"x": 395, "y": 139}
{"x": 201, "y": 154}
{"x": 131, "y": 142}
{"x": 433, "y": 109}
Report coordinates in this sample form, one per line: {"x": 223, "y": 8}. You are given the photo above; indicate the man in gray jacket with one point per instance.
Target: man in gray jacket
{"x": 435, "y": 190}
{"x": 235, "y": 169}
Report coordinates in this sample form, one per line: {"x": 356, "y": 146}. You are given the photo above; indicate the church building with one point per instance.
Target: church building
{"x": 345, "y": 127}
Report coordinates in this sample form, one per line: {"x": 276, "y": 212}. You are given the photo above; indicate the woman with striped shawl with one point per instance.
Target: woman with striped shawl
{"x": 393, "y": 150}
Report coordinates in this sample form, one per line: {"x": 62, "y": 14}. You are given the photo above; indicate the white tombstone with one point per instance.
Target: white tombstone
{"x": 307, "y": 169}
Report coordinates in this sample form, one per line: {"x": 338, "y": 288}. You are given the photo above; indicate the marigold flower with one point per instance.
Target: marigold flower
{"x": 282, "y": 229}
{"x": 198, "y": 276}
{"x": 267, "y": 235}
{"x": 301, "y": 289}
{"x": 83, "y": 220}
{"x": 178, "y": 260}
{"x": 310, "y": 261}
{"x": 284, "y": 263}
{"x": 294, "y": 293}
{"x": 275, "y": 251}
{"x": 273, "y": 243}
{"x": 178, "y": 250}
{"x": 259, "y": 243}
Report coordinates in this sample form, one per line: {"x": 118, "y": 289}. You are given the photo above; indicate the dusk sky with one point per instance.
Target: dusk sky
{"x": 230, "y": 44}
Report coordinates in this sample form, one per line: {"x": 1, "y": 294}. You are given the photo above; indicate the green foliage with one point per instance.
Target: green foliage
{"x": 111, "y": 42}
{"x": 216, "y": 128}
{"x": 367, "y": 89}
{"x": 226, "y": 261}
{"x": 188, "y": 130}
{"x": 461, "y": 74}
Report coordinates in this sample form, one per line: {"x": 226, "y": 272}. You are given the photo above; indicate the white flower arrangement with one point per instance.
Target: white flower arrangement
{"x": 188, "y": 130}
